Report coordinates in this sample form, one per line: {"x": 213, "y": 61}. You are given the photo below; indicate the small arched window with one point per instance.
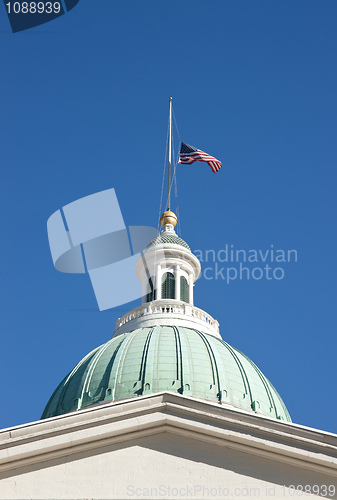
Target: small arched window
{"x": 167, "y": 287}
{"x": 184, "y": 289}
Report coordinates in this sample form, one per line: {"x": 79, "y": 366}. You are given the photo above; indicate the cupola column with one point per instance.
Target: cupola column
{"x": 177, "y": 283}
{"x": 144, "y": 289}
{"x": 158, "y": 282}
{"x": 190, "y": 289}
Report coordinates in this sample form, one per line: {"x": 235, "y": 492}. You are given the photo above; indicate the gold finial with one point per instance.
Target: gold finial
{"x": 168, "y": 217}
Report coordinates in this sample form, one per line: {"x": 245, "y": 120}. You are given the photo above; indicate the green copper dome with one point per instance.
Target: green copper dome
{"x": 168, "y": 238}
{"x": 166, "y": 358}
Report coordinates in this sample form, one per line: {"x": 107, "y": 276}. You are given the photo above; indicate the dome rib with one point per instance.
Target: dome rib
{"x": 113, "y": 377}
{"x": 243, "y": 373}
{"x": 63, "y": 387}
{"x": 216, "y": 379}
{"x": 104, "y": 382}
{"x": 179, "y": 355}
{"x": 142, "y": 371}
{"x": 186, "y": 363}
{"x": 75, "y": 374}
{"x": 268, "y": 385}
{"x": 120, "y": 366}
{"x": 281, "y": 403}
{"x": 263, "y": 380}
{"x": 90, "y": 372}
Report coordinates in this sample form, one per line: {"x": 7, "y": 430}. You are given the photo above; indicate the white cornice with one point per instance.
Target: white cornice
{"x": 110, "y": 423}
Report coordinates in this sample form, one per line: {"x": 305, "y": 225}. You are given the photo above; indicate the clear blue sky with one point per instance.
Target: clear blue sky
{"x": 84, "y": 108}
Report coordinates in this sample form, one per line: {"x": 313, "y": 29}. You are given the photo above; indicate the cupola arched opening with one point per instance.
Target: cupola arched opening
{"x": 168, "y": 286}
{"x": 151, "y": 294}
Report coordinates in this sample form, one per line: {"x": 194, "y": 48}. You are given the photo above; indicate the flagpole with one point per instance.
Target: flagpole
{"x": 169, "y": 157}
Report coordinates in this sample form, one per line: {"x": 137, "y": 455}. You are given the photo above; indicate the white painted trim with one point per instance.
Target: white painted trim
{"x": 121, "y": 421}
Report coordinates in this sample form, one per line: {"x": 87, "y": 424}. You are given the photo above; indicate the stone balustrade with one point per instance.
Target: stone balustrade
{"x": 164, "y": 307}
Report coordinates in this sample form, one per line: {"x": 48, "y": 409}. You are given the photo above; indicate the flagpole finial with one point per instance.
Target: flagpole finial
{"x": 170, "y": 99}
{"x": 168, "y": 217}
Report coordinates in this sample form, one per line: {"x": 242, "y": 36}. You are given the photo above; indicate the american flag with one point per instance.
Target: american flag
{"x": 188, "y": 155}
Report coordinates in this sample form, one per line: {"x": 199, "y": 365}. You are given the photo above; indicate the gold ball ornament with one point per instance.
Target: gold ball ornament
{"x": 168, "y": 217}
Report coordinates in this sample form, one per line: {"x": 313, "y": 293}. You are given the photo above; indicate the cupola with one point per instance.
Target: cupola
{"x": 168, "y": 269}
